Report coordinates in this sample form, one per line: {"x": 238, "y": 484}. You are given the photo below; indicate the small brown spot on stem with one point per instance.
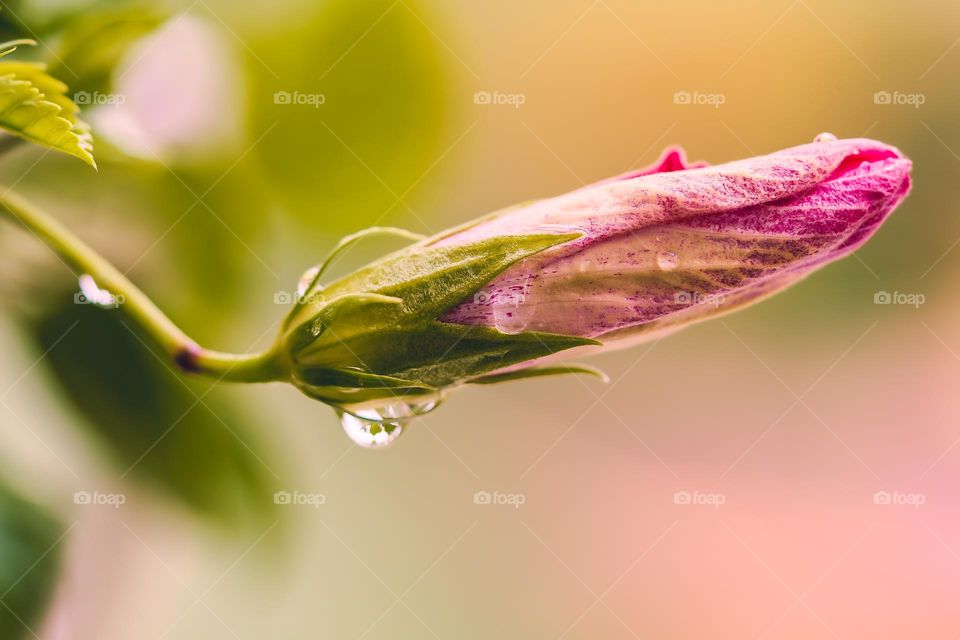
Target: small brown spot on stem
{"x": 186, "y": 358}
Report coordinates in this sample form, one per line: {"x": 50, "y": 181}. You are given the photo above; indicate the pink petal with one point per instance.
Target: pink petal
{"x": 675, "y": 243}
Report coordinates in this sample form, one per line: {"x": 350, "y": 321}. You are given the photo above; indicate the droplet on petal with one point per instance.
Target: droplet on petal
{"x": 510, "y": 318}
{"x": 305, "y": 280}
{"x": 667, "y": 260}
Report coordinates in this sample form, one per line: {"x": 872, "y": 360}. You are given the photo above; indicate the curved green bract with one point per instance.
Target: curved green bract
{"x": 344, "y": 244}
{"x": 376, "y": 333}
{"x": 6, "y": 48}
{"x": 537, "y": 372}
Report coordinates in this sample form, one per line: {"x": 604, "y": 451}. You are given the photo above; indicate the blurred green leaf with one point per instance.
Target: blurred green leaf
{"x": 219, "y": 242}
{"x": 41, "y": 20}
{"x": 91, "y": 44}
{"x": 35, "y": 107}
{"x": 154, "y": 423}
{"x": 341, "y": 164}
{"x": 29, "y": 563}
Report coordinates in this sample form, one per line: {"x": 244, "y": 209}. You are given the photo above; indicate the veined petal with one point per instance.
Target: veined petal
{"x": 665, "y": 247}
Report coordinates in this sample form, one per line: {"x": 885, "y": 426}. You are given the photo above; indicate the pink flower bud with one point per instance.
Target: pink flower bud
{"x": 678, "y": 243}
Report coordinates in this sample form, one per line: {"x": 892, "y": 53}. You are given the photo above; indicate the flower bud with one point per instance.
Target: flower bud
{"x": 671, "y": 245}
{"x": 624, "y": 259}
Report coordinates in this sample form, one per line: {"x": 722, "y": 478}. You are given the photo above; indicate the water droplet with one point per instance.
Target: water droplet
{"x": 511, "y": 314}
{"x": 371, "y": 434}
{"x": 584, "y": 265}
{"x": 305, "y": 281}
{"x": 380, "y": 426}
{"x": 424, "y": 406}
{"x": 90, "y": 293}
{"x": 511, "y": 319}
{"x": 825, "y": 137}
{"x": 667, "y": 260}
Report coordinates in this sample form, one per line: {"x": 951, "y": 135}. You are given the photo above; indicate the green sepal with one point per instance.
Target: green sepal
{"x": 344, "y": 244}
{"x": 342, "y": 312}
{"x": 381, "y": 324}
{"x": 447, "y": 354}
{"x": 431, "y": 279}
{"x": 536, "y": 372}
{"x": 354, "y": 379}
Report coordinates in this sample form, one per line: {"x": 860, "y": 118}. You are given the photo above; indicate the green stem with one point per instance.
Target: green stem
{"x": 182, "y": 350}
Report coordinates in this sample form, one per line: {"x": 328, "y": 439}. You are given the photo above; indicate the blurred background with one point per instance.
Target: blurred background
{"x": 785, "y": 472}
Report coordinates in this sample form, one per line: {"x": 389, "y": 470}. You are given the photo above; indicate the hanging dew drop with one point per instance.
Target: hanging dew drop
{"x": 423, "y": 407}
{"x": 667, "y": 260}
{"x": 370, "y": 434}
{"x": 382, "y": 425}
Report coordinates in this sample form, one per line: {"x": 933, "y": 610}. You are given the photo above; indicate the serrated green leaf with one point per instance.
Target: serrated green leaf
{"x": 29, "y": 564}
{"x": 537, "y": 372}
{"x": 35, "y": 107}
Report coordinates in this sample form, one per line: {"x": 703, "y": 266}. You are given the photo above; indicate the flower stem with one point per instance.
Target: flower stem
{"x": 182, "y": 350}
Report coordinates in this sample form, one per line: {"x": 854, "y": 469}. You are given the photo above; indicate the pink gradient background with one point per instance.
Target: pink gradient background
{"x": 796, "y": 411}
